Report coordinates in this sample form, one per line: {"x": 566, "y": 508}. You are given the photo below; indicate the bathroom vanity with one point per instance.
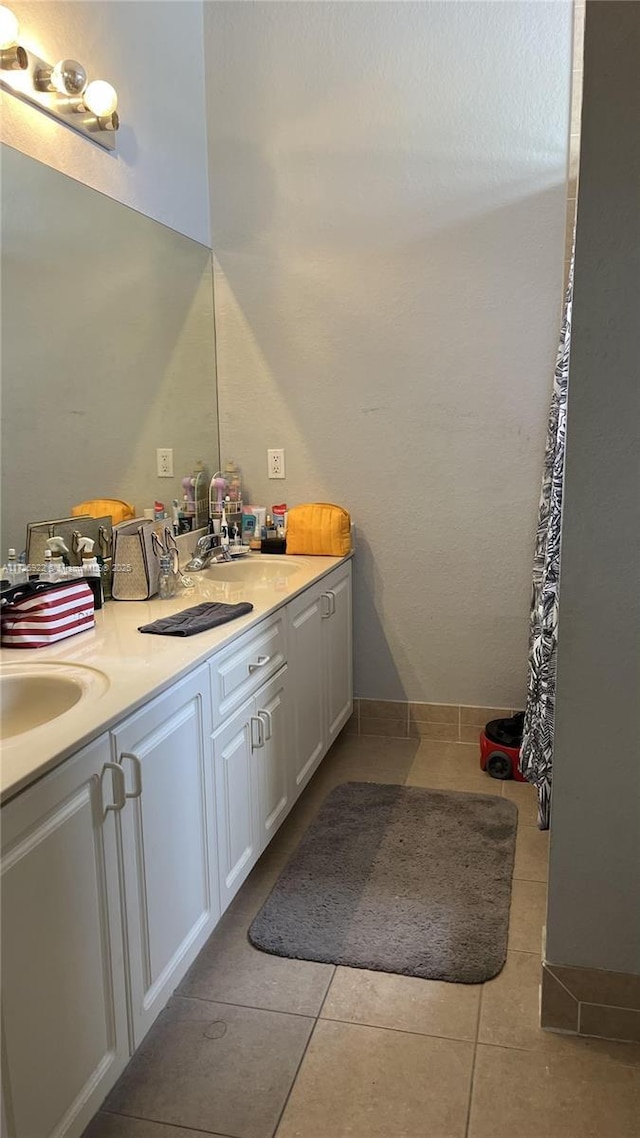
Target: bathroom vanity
{"x": 132, "y": 819}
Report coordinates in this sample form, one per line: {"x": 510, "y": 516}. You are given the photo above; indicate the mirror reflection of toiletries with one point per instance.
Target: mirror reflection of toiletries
{"x": 107, "y": 350}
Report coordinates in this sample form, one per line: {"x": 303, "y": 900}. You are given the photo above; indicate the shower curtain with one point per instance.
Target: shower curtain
{"x": 536, "y": 755}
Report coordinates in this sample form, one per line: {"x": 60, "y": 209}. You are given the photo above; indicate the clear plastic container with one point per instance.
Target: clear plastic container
{"x": 166, "y": 580}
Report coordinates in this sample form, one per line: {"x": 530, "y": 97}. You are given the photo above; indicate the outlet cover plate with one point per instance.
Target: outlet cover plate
{"x": 164, "y": 462}
{"x": 275, "y": 463}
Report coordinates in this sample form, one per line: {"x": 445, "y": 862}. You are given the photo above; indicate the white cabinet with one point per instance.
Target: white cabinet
{"x": 115, "y": 867}
{"x": 168, "y": 842}
{"x": 239, "y": 670}
{"x": 251, "y": 781}
{"x": 320, "y": 657}
{"x": 272, "y": 751}
{"x": 337, "y": 651}
{"x": 64, "y": 1004}
{"x": 109, "y": 890}
{"x": 308, "y": 683}
{"x": 236, "y": 801}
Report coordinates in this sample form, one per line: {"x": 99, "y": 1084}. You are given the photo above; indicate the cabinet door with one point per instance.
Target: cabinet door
{"x": 64, "y": 1003}
{"x": 236, "y": 799}
{"x": 337, "y": 652}
{"x": 272, "y": 753}
{"x": 168, "y": 842}
{"x": 307, "y": 685}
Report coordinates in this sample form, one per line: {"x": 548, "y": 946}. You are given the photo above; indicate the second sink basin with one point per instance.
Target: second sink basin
{"x": 32, "y": 695}
{"x": 260, "y": 568}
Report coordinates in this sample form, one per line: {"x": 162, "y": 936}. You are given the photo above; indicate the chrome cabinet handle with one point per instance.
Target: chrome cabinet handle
{"x": 261, "y": 662}
{"x": 332, "y": 602}
{"x": 326, "y": 610}
{"x": 137, "y": 774}
{"x": 119, "y": 794}
{"x": 257, "y": 722}
{"x": 268, "y": 721}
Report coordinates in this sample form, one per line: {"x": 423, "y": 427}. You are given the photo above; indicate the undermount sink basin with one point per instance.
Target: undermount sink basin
{"x": 261, "y": 569}
{"x": 32, "y": 695}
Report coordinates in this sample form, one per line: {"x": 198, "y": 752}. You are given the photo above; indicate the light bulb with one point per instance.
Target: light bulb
{"x": 68, "y": 77}
{"x": 100, "y": 98}
{"x": 9, "y": 28}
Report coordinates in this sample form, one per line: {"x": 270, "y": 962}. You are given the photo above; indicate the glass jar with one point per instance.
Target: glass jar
{"x": 232, "y": 477}
{"x": 166, "y": 580}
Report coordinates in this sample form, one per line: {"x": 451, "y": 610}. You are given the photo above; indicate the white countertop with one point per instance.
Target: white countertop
{"x": 136, "y": 665}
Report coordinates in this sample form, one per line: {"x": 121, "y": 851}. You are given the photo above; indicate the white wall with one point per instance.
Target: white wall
{"x": 388, "y": 186}
{"x": 594, "y": 871}
{"x": 152, "y": 53}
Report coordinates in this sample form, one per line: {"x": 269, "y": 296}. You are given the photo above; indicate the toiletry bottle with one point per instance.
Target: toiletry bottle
{"x": 248, "y": 526}
{"x": 48, "y": 570}
{"x": 91, "y": 570}
{"x": 58, "y": 558}
{"x": 167, "y": 579}
{"x": 14, "y": 571}
{"x": 280, "y": 518}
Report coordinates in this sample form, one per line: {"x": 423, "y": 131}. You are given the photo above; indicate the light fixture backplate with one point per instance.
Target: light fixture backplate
{"x": 60, "y": 107}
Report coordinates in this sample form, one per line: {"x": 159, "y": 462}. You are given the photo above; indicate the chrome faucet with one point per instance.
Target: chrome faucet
{"x": 208, "y": 551}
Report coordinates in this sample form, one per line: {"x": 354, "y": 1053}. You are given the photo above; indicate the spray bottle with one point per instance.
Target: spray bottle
{"x": 59, "y": 559}
{"x": 91, "y": 569}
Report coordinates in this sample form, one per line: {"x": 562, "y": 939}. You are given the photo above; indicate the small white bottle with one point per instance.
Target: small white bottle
{"x": 49, "y": 571}
{"x": 14, "y": 571}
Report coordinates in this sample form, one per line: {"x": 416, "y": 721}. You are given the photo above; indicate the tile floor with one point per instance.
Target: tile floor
{"x": 256, "y": 1046}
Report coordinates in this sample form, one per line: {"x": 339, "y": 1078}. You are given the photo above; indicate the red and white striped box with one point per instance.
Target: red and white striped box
{"x": 40, "y": 620}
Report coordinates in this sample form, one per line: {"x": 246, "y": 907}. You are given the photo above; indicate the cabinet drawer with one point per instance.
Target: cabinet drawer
{"x": 239, "y": 671}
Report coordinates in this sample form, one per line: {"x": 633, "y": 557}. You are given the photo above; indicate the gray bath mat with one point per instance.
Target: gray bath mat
{"x": 398, "y": 879}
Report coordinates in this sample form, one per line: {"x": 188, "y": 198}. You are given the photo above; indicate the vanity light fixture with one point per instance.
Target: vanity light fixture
{"x": 101, "y": 99}
{"x": 62, "y": 90}
{"x": 68, "y": 77}
{"x": 13, "y": 57}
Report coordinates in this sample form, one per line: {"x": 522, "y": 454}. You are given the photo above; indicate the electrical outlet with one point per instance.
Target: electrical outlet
{"x": 164, "y": 462}
{"x": 275, "y": 463}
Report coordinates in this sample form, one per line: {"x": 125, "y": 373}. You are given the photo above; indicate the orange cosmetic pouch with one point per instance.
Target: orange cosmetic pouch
{"x": 116, "y": 509}
{"x": 319, "y": 529}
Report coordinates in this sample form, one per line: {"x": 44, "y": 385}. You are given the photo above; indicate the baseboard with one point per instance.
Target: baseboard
{"x": 590, "y": 1002}
{"x": 397, "y": 719}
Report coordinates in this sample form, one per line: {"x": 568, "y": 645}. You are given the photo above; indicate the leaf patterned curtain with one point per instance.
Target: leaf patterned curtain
{"x": 536, "y": 754}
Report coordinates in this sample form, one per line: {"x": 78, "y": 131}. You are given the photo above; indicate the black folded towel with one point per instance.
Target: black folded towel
{"x": 196, "y": 619}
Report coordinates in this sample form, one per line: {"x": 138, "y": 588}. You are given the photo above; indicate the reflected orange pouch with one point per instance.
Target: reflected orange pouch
{"x": 319, "y": 529}
{"x": 117, "y": 510}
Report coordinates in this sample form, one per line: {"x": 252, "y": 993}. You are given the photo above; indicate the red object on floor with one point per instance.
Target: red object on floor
{"x": 499, "y": 761}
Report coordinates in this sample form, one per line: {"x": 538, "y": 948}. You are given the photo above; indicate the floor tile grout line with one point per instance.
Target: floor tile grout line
{"x": 253, "y": 1007}
{"x": 603, "y": 1059}
{"x": 173, "y": 1125}
{"x": 302, "y": 1057}
{"x": 473, "y": 1064}
{"x": 397, "y": 1030}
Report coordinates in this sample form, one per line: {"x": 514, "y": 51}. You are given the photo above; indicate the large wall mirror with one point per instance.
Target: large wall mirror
{"x": 107, "y": 350}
